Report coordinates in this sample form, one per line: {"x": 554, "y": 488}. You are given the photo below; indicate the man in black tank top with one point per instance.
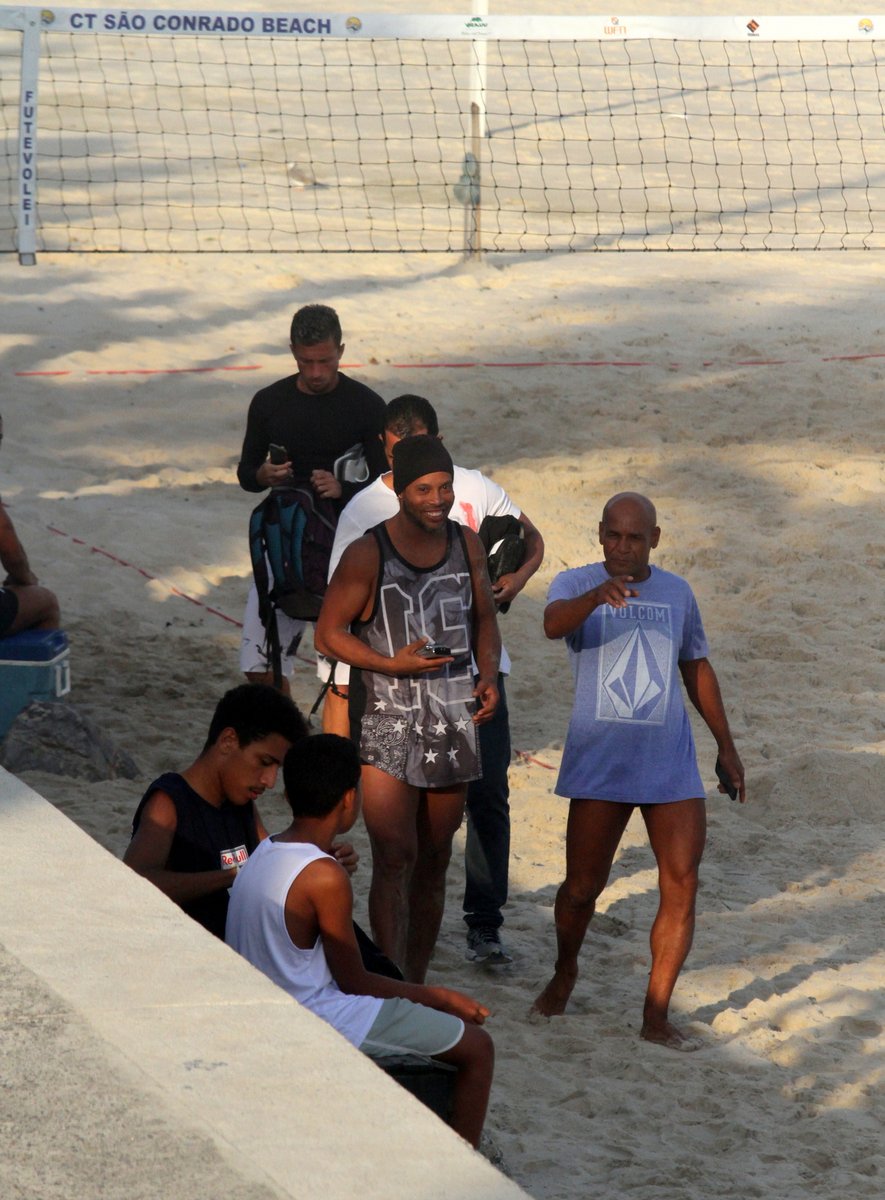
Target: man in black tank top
{"x": 416, "y": 580}
{"x": 192, "y": 830}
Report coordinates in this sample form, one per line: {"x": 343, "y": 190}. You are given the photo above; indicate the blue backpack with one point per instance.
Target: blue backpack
{"x": 290, "y": 540}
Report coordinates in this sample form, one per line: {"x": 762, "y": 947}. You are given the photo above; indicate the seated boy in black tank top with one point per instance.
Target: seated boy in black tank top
{"x": 194, "y": 829}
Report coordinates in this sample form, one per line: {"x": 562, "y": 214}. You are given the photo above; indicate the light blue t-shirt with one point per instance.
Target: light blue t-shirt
{"x": 629, "y": 738}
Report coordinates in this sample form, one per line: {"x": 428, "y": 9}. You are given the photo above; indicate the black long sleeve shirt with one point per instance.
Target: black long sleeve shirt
{"x": 316, "y": 430}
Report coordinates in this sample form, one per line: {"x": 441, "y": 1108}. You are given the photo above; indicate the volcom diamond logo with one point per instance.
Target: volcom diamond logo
{"x": 635, "y": 683}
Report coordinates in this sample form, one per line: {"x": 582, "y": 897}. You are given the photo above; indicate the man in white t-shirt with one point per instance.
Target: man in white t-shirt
{"x": 487, "y": 852}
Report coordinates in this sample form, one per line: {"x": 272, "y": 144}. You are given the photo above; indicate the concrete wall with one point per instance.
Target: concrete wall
{"x": 144, "y": 1058}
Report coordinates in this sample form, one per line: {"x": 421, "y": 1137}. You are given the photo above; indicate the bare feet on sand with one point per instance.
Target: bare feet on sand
{"x": 555, "y": 996}
{"x": 663, "y": 1033}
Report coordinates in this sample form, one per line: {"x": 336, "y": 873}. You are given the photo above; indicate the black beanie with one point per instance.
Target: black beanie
{"x": 417, "y": 456}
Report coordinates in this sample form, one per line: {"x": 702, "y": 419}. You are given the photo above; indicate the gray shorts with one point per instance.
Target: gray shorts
{"x": 402, "y": 1027}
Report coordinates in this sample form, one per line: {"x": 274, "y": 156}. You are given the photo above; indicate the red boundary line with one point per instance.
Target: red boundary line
{"x": 121, "y": 562}
{"x": 527, "y": 757}
{"x": 138, "y": 371}
{"x": 464, "y": 366}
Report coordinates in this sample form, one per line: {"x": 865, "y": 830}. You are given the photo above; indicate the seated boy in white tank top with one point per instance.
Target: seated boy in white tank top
{"x": 313, "y": 954}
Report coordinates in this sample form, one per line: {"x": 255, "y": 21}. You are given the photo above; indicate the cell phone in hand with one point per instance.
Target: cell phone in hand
{"x": 278, "y": 454}
{"x": 435, "y": 650}
{"x": 725, "y": 779}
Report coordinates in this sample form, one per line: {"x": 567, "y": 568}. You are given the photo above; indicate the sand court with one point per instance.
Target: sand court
{"x": 743, "y": 394}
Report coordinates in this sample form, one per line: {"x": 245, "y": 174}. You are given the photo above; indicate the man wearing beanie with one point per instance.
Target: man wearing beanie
{"x": 487, "y": 843}
{"x": 416, "y": 580}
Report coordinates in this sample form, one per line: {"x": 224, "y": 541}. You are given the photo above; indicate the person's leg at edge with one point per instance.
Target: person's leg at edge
{"x": 336, "y": 717}
{"x": 438, "y": 818}
{"x": 677, "y": 833}
{"x": 253, "y": 645}
{"x": 474, "y": 1056}
{"x": 594, "y": 829}
{"x": 487, "y": 852}
{"x": 389, "y": 811}
{"x": 37, "y": 608}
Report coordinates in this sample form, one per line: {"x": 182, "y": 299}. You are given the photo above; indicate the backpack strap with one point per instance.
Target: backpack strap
{"x": 266, "y": 609}
{"x": 328, "y": 686}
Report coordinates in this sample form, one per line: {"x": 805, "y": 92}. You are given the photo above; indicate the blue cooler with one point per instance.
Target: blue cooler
{"x": 34, "y": 665}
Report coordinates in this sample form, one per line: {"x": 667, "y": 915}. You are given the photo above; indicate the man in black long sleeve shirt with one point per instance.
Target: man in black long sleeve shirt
{"x": 317, "y": 415}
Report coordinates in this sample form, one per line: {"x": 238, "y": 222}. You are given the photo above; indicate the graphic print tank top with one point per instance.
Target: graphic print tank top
{"x": 419, "y": 729}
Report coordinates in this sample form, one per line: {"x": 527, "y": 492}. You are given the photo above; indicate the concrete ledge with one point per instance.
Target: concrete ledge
{"x": 189, "y": 1033}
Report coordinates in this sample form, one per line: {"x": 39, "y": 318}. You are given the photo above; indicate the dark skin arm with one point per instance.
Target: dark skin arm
{"x": 702, "y": 687}
{"x": 320, "y": 901}
{"x": 12, "y": 554}
{"x": 486, "y": 636}
{"x": 148, "y": 854}
{"x": 562, "y": 617}
{"x": 509, "y": 586}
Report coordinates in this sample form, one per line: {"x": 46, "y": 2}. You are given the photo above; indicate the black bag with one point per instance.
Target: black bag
{"x": 504, "y": 542}
{"x": 374, "y": 958}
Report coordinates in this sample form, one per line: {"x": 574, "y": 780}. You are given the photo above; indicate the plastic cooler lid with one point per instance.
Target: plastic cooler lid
{"x": 33, "y": 645}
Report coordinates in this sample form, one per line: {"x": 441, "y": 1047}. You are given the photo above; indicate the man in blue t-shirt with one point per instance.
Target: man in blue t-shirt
{"x": 629, "y": 629}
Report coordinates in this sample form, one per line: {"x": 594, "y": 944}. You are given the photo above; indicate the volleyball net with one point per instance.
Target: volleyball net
{"x": 137, "y": 131}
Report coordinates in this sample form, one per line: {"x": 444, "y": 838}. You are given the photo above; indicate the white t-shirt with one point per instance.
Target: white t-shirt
{"x": 476, "y": 497}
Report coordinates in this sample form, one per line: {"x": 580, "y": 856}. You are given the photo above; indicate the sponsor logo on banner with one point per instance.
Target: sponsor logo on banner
{"x": 353, "y": 24}
{"x": 47, "y": 16}
{"x": 475, "y": 25}
{"x": 753, "y": 26}
{"x": 865, "y": 25}
{"x": 615, "y": 29}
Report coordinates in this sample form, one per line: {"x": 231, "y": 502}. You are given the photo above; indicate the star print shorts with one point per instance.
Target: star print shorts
{"x": 433, "y": 750}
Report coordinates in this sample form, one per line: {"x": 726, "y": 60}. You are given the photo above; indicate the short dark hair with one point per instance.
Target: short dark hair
{"x": 317, "y": 771}
{"x": 315, "y": 323}
{"x": 404, "y": 414}
{"x": 255, "y": 711}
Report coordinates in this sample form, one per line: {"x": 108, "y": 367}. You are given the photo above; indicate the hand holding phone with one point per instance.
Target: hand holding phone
{"x": 278, "y": 454}
{"x": 435, "y": 650}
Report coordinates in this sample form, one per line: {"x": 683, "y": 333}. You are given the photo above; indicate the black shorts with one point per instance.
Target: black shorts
{"x": 8, "y": 609}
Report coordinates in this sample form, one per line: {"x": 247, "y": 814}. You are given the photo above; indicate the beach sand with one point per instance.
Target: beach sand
{"x": 742, "y": 393}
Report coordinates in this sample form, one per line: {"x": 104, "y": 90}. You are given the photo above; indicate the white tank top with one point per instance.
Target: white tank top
{"x": 256, "y": 928}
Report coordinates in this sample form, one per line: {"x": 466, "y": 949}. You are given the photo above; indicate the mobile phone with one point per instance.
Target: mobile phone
{"x": 278, "y": 454}
{"x": 725, "y": 779}
{"x": 435, "y": 650}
